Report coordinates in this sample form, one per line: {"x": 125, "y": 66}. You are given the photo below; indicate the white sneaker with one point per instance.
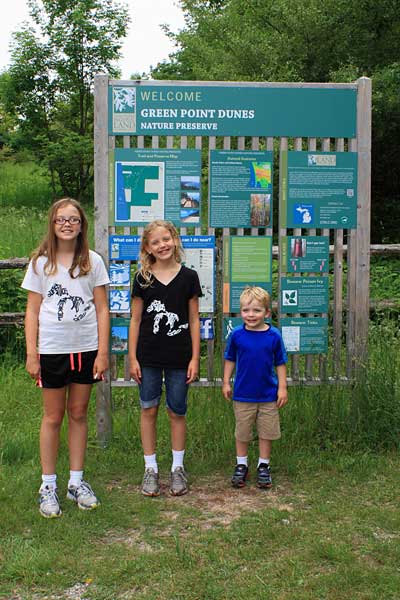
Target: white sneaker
{"x": 83, "y": 495}
{"x": 49, "y": 505}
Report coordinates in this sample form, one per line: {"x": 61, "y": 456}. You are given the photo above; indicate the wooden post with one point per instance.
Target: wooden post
{"x": 363, "y": 221}
{"x": 103, "y": 389}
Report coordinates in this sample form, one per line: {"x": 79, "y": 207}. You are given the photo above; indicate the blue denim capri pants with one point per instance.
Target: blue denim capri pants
{"x": 176, "y": 388}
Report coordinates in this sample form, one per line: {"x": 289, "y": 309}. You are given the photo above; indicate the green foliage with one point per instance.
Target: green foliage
{"x": 23, "y": 185}
{"x": 295, "y": 40}
{"x": 49, "y": 86}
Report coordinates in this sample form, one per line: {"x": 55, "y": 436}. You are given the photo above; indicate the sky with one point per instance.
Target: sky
{"x": 145, "y": 45}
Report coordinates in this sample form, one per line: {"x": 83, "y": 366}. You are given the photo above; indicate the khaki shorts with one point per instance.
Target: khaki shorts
{"x": 264, "y": 414}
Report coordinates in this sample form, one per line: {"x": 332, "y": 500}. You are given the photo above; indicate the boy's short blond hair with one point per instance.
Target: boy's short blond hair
{"x": 255, "y": 293}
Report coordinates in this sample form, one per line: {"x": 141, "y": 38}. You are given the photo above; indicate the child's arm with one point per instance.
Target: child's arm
{"x": 134, "y": 366}
{"x": 282, "y": 386}
{"x": 31, "y": 333}
{"x": 229, "y": 367}
{"x": 194, "y": 326}
{"x": 103, "y": 328}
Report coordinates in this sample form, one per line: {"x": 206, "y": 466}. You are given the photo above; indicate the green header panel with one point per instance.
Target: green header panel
{"x": 232, "y": 110}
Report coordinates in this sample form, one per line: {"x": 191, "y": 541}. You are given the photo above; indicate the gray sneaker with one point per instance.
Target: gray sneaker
{"x": 178, "y": 482}
{"x": 49, "y": 505}
{"x": 83, "y": 495}
{"x": 150, "y": 483}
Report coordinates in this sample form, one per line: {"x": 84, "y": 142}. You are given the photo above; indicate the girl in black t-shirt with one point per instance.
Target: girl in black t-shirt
{"x": 164, "y": 341}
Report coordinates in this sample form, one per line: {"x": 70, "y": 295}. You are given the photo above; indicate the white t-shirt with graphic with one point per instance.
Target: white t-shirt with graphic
{"x": 67, "y": 317}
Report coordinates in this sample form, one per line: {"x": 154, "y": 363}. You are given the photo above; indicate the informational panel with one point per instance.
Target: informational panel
{"x": 119, "y": 335}
{"x": 120, "y": 300}
{"x": 247, "y": 262}
{"x": 321, "y": 189}
{"x": 231, "y": 109}
{"x": 200, "y": 256}
{"x": 124, "y": 247}
{"x": 240, "y": 188}
{"x": 304, "y": 294}
{"x": 307, "y": 335}
{"x": 120, "y": 273}
{"x": 154, "y": 184}
{"x": 307, "y": 254}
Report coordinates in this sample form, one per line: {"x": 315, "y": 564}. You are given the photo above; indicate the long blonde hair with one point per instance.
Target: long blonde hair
{"x": 48, "y": 246}
{"x": 147, "y": 260}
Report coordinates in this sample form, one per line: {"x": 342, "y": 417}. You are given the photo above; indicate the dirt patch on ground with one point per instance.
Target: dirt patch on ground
{"x": 220, "y": 504}
{"x": 217, "y": 504}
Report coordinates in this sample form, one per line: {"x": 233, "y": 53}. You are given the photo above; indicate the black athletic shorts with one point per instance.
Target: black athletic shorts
{"x": 59, "y": 370}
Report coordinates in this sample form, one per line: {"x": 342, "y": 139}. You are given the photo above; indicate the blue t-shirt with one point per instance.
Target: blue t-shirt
{"x": 255, "y": 353}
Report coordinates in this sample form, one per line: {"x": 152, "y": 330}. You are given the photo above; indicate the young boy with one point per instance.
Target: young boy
{"x": 257, "y": 350}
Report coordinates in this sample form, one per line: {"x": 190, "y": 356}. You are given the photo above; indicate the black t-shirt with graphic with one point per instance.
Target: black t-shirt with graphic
{"x": 164, "y": 335}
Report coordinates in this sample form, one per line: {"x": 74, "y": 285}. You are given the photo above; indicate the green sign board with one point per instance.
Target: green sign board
{"x": 304, "y": 294}
{"x": 247, "y": 262}
{"x": 319, "y": 189}
{"x": 240, "y": 188}
{"x": 305, "y": 254}
{"x": 232, "y": 109}
{"x": 155, "y": 184}
{"x": 119, "y": 335}
{"x": 305, "y": 335}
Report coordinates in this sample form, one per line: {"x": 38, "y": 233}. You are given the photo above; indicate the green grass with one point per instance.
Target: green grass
{"x": 24, "y": 184}
{"x": 329, "y": 529}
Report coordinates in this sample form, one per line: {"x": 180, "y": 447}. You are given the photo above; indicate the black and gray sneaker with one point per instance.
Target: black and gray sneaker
{"x": 264, "y": 479}
{"x": 83, "y": 495}
{"x": 239, "y": 476}
{"x": 49, "y": 505}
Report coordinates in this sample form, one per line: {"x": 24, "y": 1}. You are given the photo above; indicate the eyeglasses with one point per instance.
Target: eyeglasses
{"x": 70, "y": 220}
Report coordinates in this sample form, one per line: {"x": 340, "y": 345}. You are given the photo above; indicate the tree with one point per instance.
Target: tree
{"x": 50, "y": 83}
{"x": 304, "y": 40}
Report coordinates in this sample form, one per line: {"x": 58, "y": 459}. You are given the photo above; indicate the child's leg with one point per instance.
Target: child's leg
{"x": 53, "y": 414}
{"x": 77, "y": 407}
{"x": 241, "y": 451}
{"x": 148, "y": 429}
{"x": 245, "y": 414}
{"x": 176, "y": 393}
{"x": 178, "y": 430}
{"x": 265, "y": 447}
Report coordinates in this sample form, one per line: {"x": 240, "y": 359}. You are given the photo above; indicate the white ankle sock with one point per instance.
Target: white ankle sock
{"x": 242, "y": 460}
{"x": 49, "y": 481}
{"x": 177, "y": 459}
{"x": 265, "y": 461}
{"x": 75, "y": 477}
{"x": 150, "y": 462}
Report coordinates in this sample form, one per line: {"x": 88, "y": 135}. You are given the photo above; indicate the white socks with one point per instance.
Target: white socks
{"x": 177, "y": 459}
{"x": 49, "y": 481}
{"x": 242, "y": 460}
{"x": 265, "y": 461}
{"x": 75, "y": 478}
{"x": 150, "y": 462}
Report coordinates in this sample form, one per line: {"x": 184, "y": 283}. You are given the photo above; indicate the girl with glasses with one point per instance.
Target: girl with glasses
{"x": 66, "y": 331}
